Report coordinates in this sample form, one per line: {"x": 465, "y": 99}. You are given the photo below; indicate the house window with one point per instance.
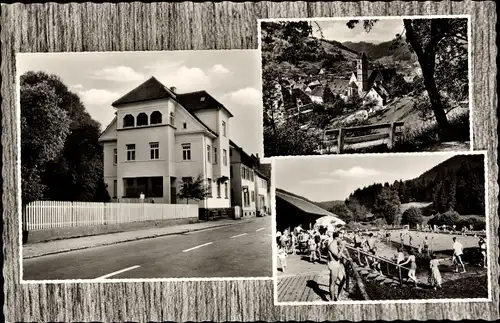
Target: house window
{"x": 218, "y": 189}
{"x": 230, "y": 152}
{"x": 209, "y": 187}
{"x": 156, "y": 186}
{"x": 131, "y": 152}
{"x": 155, "y": 150}
{"x": 215, "y": 155}
{"x": 186, "y": 151}
{"x": 115, "y": 156}
{"x": 231, "y": 171}
{"x": 225, "y": 190}
{"x": 128, "y": 121}
{"x": 142, "y": 119}
{"x": 208, "y": 153}
{"x": 184, "y": 125}
{"x": 252, "y": 193}
{"x": 202, "y": 99}
{"x": 155, "y": 117}
{"x": 224, "y": 128}
{"x": 246, "y": 197}
{"x": 224, "y": 157}
{"x": 115, "y": 184}
{"x": 172, "y": 119}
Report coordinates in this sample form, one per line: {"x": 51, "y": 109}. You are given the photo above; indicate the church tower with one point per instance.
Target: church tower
{"x": 362, "y": 73}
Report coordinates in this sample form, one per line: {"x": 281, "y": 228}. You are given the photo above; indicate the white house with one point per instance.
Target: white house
{"x": 249, "y": 185}
{"x": 159, "y": 137}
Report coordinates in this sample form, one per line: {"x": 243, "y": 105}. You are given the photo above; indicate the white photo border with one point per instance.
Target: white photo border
{"x": 375, "y": 155}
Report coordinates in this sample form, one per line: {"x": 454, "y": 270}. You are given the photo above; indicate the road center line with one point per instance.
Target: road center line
{"x": 117, "y": 272}
{"x": 239, "y": 235}
{"x": 201, "y": 245}
{"x": 259, "y": 229}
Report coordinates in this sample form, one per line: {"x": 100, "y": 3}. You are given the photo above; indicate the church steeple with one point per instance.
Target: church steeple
{"x": 362, "y": 72}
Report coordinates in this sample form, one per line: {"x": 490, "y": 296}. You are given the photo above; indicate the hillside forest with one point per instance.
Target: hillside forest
{"x": 61, "y": 158}
{"x": 452, "y": 188}
{"x": 428, "y": 83}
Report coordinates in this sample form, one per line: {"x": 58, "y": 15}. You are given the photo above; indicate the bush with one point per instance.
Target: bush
{"x": 477, "y": 224}
{"x": 412, "y": 217}
{"x": 449, "y": 218}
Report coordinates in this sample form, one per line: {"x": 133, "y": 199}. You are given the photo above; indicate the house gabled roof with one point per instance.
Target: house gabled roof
{"x": 302, "y": 204}
{"x": 245, "y": 158}
{"x": 113, "y": 122}
{"x": 151, "y": 89}
{"x": 200, "y": 100}
{"x": 338, "y": 85}
{"x": 318, "y": 91}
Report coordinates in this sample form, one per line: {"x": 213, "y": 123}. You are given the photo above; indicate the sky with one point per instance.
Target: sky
{"x": 383, "y": 30}
{"x": 232, "y": 77}
{"x": 327, "y": 178}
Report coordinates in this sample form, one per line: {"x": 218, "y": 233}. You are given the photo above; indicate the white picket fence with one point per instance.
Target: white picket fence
{"x": 42, "y": 215}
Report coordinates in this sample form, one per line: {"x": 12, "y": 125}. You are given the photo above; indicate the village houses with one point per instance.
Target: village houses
{"x": 160, "y": 137}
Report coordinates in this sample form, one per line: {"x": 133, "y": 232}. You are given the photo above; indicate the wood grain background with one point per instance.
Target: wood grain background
{"x": 223, "y": 25}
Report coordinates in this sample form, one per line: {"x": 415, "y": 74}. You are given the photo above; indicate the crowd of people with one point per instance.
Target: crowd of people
{"x": 317, "y": 243}
{"x": 320, "y": 242}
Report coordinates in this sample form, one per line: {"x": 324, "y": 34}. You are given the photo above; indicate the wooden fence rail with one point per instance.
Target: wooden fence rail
{"x": 42, "y": 215}
{"x": 338, "y": 137}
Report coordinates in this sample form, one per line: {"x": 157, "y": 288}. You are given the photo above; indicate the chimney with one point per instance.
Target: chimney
{"x": 173, "y": 89}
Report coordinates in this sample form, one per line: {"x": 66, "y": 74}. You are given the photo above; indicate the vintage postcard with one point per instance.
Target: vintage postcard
{"x": 381, "y": 227}
{"x": 142, "y": 166}
{"x": 366, "y": 85}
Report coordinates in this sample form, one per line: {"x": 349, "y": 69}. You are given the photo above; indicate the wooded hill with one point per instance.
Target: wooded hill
{"x": 304, "y": 56}
{"x": 458, "y": 183}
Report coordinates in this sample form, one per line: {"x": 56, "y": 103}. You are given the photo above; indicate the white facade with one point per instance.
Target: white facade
{"x": 183, "y": 144}
{"x": 262, "y": 192}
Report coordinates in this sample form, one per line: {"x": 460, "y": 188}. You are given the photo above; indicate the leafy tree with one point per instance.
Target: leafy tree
{"x": 448, "y": 218}
{"x": 412, "y": 217}
{"x": 193, "y": 189}
{"x": 287, "y": 138}
{"x": 437, "y": 44}
{"x": 358, "y": 210}
{"x": 342, "y": 211}
{"x": 75, "y": 172}
{"x": 387, "y": 205}
{"x": 44, "y": 128}
{"x": 294, "y": 31}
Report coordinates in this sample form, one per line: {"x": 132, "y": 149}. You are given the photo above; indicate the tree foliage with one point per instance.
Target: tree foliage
{"x": 61, "y": 158}
{"x": 387, "y": 205}
{"x": 441, "y": 48}
{"x": 286, "y": 138}
{"x": 193, "y": 189}
{"x": 412, "y": 216}
{"x": 457, "y": 183}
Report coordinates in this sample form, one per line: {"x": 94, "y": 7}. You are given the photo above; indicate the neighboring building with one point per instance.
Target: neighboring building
{"x": 262, "y": 189}
{"x": 243, "y": 180}
{"x": 159, "y": 137}
{"x": 292, "y": 210}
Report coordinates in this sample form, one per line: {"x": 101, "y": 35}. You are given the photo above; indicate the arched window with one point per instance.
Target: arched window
{"x": 142, "y": 119}
{"x": 172, "y": 118}
{"x": 128, "y": 121}
{"x": 155, "y": 117}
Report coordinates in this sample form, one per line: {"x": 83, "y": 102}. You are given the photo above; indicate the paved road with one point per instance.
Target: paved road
{"x": 239, "y": 250}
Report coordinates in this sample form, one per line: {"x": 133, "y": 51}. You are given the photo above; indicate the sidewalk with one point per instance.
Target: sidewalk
{"x": 304, "y": 281}
{"x": 65, "y": 245}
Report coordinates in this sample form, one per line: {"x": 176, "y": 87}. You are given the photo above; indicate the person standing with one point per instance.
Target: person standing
{"x": 312, "y": 249}
{"x": 294, "y": 242}
{"x": 457, "y": 254}
{"x": 337, "y": 271}
{"x": 482, "y": 247}
{"x": 425, "y": 246}
{"x": 413, "y": 266}
{"x": 435, "y": 275}
{"x": 282, "y": 254}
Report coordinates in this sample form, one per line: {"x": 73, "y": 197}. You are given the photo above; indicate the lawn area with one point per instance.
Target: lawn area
{"x": 439, "y": 241}
{"x": 470, "y": 287}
